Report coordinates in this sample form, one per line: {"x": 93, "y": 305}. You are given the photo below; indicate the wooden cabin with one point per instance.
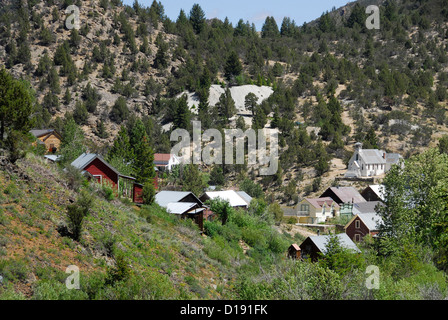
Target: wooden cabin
{"x": 95, "y": 167}
{"x": 313, "y": 247}
{"x": 48, "y": 137}
{"x": 363, "y": 224}
{"x": 183, "y": 204}
{"x": 294, "y": 252}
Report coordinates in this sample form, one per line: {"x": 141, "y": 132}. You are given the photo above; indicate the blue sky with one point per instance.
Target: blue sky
{"x": 254, "y": 11}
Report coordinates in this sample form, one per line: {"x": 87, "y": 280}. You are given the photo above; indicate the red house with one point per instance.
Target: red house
{"x": 98, "y": 168}
{"x": 363, "y": 224}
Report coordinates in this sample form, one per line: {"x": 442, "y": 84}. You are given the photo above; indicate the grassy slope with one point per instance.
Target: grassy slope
{"x": 165, "y": 255}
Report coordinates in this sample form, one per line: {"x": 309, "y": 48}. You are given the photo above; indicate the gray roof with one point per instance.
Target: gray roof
{"x": 52, "y": 157}
{"x": 372, "y": 156}
{"x": 180, "y": 207}
{"x": 163, "y": 198}
{"x": 245, "y": 196}
{"x": 366, "y": 207}
{"x": 371, "y": 220}
{"x": 40, "y": 132}
{"x": 393, "y": 157}
{"x": 84, "y": 160}
{"x": 346, "y": 242}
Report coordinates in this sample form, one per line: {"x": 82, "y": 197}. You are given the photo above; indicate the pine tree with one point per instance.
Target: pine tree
{"x": 226, "y": 107}
{"x": 182, "y": 114}
{"x": 358, "y": 17}
{"x": 370, "y": 141}
{"x": 73, "y": 141}
{"x": 270, "y": 28}
{"x": 161, "y": 59}
{"x": 80, "y": 115}
{"x": 197, "y": 18}
{"x": 251, "y": 102}
{"x": 192, "y": 180}
{"x": 101, "y": 130}
{"x": 144, "y": 161}
{"x": 120, "y": 111}
{"x": 233, "y": 66}
{"x": 121, "y": 148}
{"x": 16, "y": 109}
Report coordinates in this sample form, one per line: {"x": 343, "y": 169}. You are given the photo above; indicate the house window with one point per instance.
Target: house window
{"x": 305, "y": 209}
{"x": 357, "y": 224}
{"x": 99, "y": 178}
{"x": 357, "y": 237}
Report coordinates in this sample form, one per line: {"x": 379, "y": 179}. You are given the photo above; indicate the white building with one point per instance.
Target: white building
{"x": 370, "y": 162}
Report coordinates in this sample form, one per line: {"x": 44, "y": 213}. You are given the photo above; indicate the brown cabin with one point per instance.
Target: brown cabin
{"x": 294, "y": 252}
{"x": 48, "y": 137}
{"x": 363, "y": 224}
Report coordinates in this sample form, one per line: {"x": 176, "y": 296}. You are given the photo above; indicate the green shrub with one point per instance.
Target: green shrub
{"x": 212, "y": 228}
{"x": 8, "y": 293}
{"x": 231, "y": 232}
{"x": 118, "y": 273}
{"x": 14, "y": 269}
{"x": 149, "y": 193}
{"x": 55, "y": 290}
{"x": 108, "y": 193}
{"x": 254, "y": 237}
{"x": 75, "y": 217}
{"x": 277, "y": 243}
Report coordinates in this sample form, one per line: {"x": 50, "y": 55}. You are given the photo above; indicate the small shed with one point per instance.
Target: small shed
{"x": 294, "y": 252}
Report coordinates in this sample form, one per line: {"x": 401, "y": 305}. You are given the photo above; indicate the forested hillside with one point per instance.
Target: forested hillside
{"x": 385, "y": 87}
{"x": 114, "y": 87}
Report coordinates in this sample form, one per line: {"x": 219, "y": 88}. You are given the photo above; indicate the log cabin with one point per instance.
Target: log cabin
{"x": 48, "y": 137}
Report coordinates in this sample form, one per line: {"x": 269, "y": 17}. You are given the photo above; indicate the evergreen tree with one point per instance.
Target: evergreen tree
{"x": 251, "y": 102}
{"x": 161, "y": 59}
{"x": 358, "y": 17}
{"x": 226, "y": 107}
{"x": 120, "y": 111}
{"x": 192, "y": 180}
{"x": 101, "y": 130}
{"x": 16, "y": 110}
{"x": 370, "y": 140}
{"x": 121, "y": 148}
{"x": 144, "y": 161}
{"x": 182, "y": 114}
{"x": 197, "y": 18}
{"x": 270, "y": 28}
{"x": 73, "y": 141}
{"x": 233, "y": 66}
{"x": 80, "y": 114}
{"x": 288, "y": 28}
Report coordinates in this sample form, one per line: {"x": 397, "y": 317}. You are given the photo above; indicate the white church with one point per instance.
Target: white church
{"x": 370, "y": 162}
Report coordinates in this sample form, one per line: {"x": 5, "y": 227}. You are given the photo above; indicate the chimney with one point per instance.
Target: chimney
{"x": 384, "y": 155}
